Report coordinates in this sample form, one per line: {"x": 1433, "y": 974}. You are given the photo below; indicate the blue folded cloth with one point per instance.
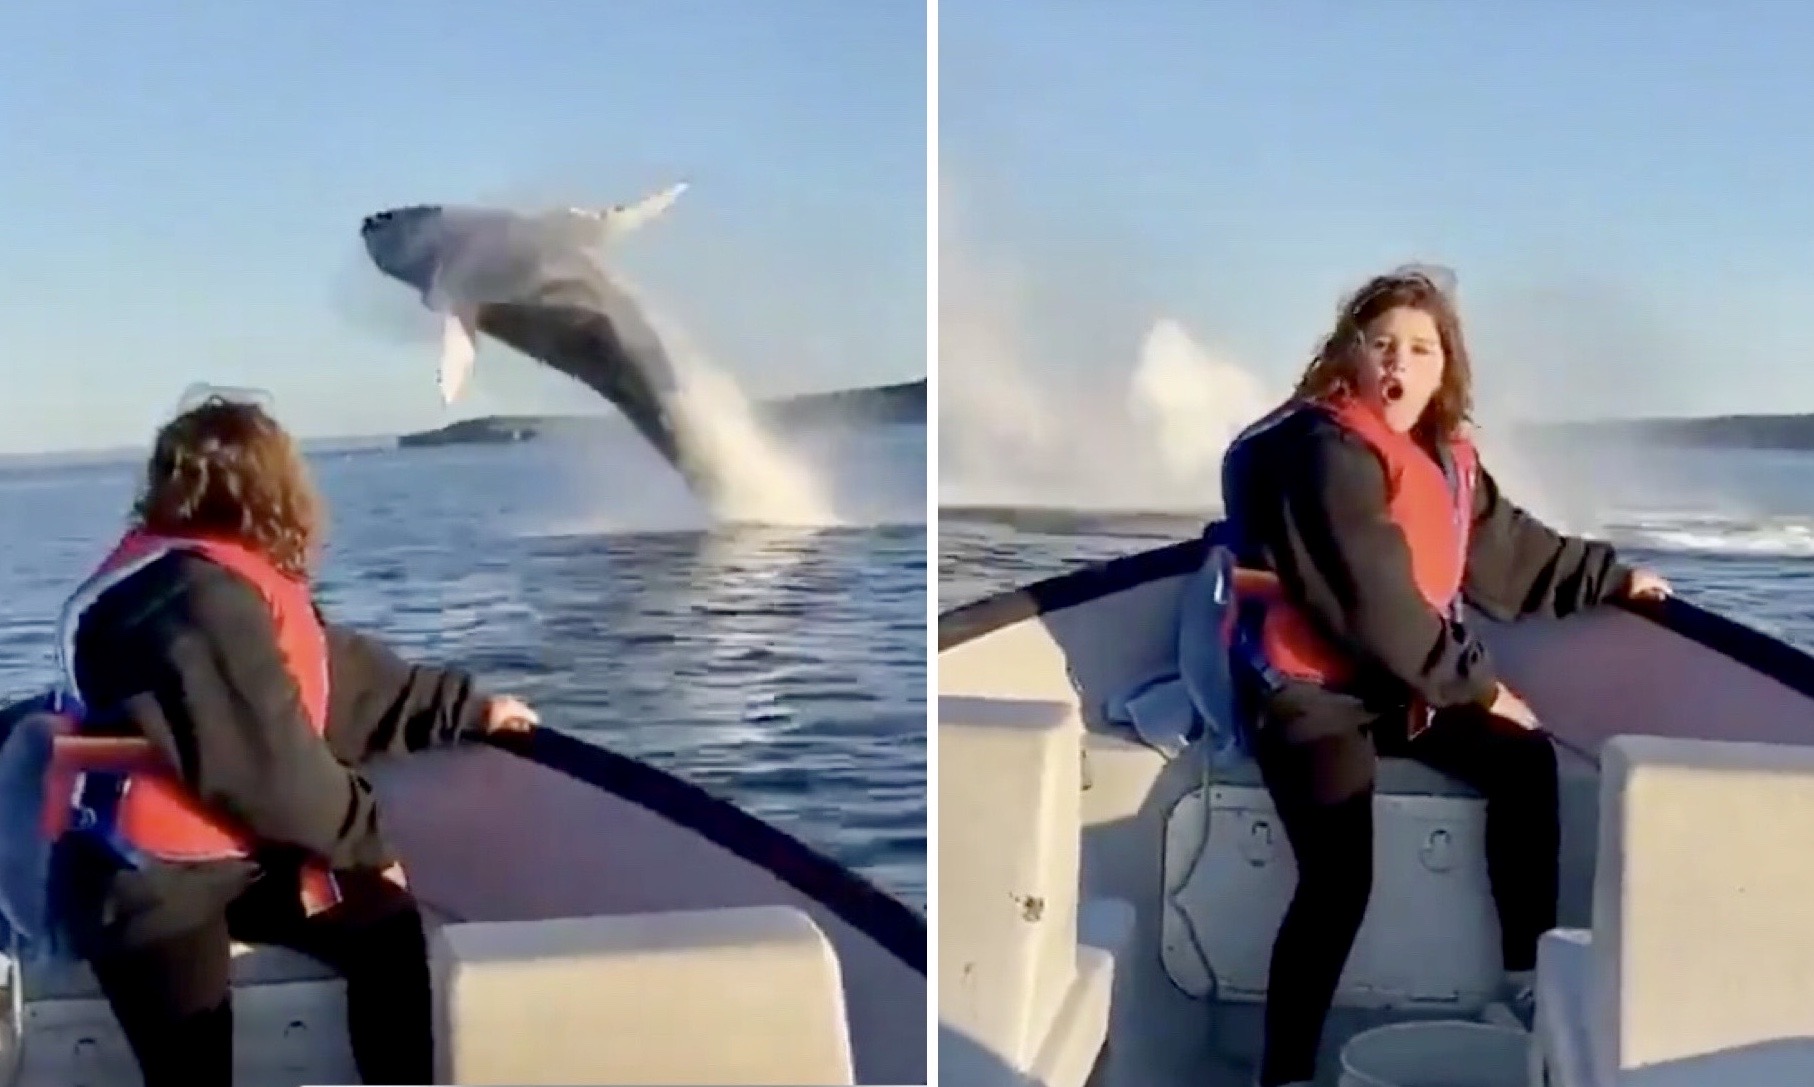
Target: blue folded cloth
{"x": 27, "y": 736}
{"x": 1193, "y": 697}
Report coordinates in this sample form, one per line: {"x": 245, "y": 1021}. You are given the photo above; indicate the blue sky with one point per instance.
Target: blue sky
{"x": 1626, "y": 188}
{"x": 183, "y": 185}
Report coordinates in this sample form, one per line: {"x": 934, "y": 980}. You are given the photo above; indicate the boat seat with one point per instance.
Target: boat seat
{"x": 253, "y": 964}
{"x": 1229, "y": 875}
{"x": 1395, "y": 777}
{"x": 1028, "y": 965}
{"x": 740, "y": 995}
{"x": 289, "y": 1022}
{"x": 1697, "y": 966}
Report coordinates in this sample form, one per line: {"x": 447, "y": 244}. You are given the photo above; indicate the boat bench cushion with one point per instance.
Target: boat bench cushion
{"x": 1396, "y": 776}
{"x": 253, "y": 964}
{"x": 1229, "y": 874}
{"x": 746, "y": 995}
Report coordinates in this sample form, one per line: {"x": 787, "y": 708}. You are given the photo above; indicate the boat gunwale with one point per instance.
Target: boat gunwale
{"x": 1745, "y": 645}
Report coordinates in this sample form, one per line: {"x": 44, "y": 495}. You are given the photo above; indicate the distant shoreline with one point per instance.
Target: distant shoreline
{"x": 1783, "y": 433}
{"x": 906, "y": 403}
{"x": 901, "y": 403}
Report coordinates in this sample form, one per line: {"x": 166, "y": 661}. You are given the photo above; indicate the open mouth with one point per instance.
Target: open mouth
{"x": 1392, "y": 389}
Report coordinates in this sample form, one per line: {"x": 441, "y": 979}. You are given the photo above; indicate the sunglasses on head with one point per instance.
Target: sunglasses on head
{"x": 1437, "y": 277}
{"x": 202, "y": 393}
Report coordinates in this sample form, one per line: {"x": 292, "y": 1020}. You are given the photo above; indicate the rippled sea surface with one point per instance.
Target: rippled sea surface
{"x": 1732, "y": 529}
{"x": 783, "y": 669}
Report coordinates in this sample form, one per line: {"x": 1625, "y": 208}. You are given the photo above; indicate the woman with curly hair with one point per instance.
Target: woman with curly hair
{"x": 252, "y": 821}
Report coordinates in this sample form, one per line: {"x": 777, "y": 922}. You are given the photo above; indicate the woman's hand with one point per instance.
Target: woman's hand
{"x": 1646, "y": 585}
{"x": 1512, "y": 708}
{"x": 508, "y": 713}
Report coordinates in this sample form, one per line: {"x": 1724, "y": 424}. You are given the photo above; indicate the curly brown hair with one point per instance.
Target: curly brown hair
{"x": 228, "y": 470}
{"x": 1331, "y": 372}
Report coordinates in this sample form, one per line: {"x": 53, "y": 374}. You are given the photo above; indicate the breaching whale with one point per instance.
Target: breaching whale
{"x": 535, "y": 281}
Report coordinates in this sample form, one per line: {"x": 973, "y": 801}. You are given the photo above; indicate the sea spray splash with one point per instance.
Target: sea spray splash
{"x": 1012, "y": 436}
{"x": 760, "y": 479}
{"x": 1006, "y": 439}
{"x": 1193, "y": 404}
{"x": 1156, "y": 446}
{"x": 1150, "y": 438}
{"x": 1000, "y": 438}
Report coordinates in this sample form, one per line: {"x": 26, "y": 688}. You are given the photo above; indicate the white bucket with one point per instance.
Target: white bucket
{"x": 1443, "y": 1053}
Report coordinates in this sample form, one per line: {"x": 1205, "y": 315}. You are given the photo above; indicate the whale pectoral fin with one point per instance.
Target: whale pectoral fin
{"x": 459, "y": 347}
{"x": 622, "y": 218}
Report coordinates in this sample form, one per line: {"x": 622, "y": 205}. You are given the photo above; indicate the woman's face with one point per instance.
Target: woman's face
{"x": 1401, "y": 364}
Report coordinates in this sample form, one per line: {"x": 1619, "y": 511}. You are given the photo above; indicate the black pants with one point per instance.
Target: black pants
{"x": 172, "y": 996}
{"x": 1323, "y": 789}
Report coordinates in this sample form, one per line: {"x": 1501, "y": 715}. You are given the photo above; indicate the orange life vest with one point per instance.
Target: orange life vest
{"x": 152, "y": 810}
{"x": 1432, "y": 505}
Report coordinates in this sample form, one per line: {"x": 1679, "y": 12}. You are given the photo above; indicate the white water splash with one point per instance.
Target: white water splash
{"x": 1157, "y": 446}
{"x": 999, "y": 437}
{"x": 1706, "y": 534}
{"x": 1194, "y": 404}
{"x": 762, "y": 480}
{"x": 1151, "y": 441}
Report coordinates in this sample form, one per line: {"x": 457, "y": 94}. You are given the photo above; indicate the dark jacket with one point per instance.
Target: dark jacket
{"x": 185, "y": 653}
{"x": 1309, "y": 500}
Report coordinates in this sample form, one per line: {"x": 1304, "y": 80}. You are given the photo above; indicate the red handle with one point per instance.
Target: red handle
{"x": 106, "y": 754}
{"x": 1257, "y": 584}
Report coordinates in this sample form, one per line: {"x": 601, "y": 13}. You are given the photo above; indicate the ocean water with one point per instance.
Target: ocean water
{"x": 1732, "y": 529}
{"x": 781, "y": 668}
